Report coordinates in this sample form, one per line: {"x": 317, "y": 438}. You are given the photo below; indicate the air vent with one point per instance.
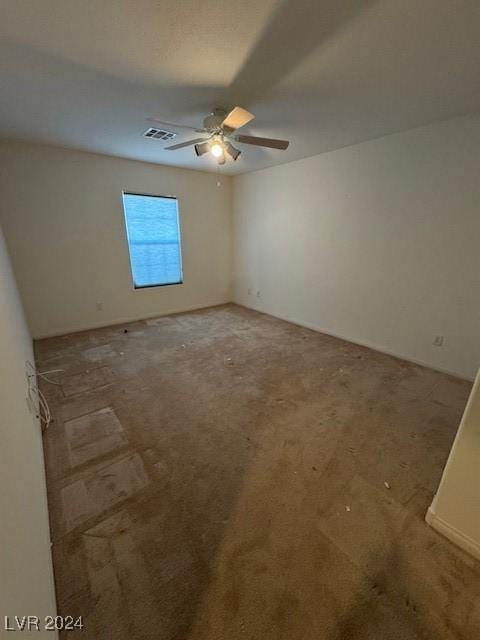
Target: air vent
{"x": 159, "y": 134}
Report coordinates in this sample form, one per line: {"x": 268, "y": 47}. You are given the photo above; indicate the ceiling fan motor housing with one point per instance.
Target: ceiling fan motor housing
{"x": 215, "y": 119}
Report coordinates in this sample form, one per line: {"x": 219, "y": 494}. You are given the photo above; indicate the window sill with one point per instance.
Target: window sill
{"x": 153, "y": 286}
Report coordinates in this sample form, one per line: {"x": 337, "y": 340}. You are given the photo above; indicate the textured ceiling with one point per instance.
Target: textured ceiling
{"x": 323, "y": 74}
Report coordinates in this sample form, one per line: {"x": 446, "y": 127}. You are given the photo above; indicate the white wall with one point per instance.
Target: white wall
{"x": 377, "y": 243}
{"x": 455, "y": 511}
{"x": 26, "y": 582}
{"x": 62, "y": 216}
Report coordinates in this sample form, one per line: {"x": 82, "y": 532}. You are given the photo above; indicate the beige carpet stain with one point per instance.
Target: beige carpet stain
{"x": 93, "y": 435}
{"x": 221, "y": 475}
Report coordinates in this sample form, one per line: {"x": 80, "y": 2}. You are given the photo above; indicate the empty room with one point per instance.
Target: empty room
{"x": 240, "y": 319}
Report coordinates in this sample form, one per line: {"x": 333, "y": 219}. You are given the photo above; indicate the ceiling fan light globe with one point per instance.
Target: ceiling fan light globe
{"x": 216, "y": 150}
{"x": 202, "y": 148}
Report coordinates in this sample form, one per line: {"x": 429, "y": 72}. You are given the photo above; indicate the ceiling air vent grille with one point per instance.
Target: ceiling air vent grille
{"x": 159, "y": 134}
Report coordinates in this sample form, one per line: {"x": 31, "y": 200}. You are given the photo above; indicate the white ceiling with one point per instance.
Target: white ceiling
{"x": 322, "y": 73}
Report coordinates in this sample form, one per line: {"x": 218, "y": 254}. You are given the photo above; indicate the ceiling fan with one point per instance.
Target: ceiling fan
{"x": 221, "y": 128}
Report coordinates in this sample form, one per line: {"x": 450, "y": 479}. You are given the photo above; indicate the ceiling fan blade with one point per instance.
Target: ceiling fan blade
{"x": 230, "y": 149}
{"x": 202, "y": 148}
{"x": 177, "y": 126}
{"x": 188, "y": 143}
{"x": 263, "y": 142}
{"x": 238, "y": 117}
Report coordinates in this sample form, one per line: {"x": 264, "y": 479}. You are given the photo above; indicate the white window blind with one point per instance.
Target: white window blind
{"x": 153, "y": 232}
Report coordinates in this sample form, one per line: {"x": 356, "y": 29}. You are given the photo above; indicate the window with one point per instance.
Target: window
{"x": 153, "y": 233}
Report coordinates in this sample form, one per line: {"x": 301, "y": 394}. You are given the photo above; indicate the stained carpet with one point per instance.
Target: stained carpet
{"x": 220, "y": 475}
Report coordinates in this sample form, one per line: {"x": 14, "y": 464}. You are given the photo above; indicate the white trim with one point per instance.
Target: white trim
{"x": 454, "y": 535}
{"x": 368, "y": 345}
{"x": 117, "y": 321}
{"x": 473, "y": 393}
{"x": 430, "y": 516}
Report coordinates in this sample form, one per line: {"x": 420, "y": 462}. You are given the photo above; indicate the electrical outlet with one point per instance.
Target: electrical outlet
{"x": 99, "y": 306}
{"x": 258, "y": 294}
{"x": 438, "y": 341}
{"x": 249, "y": 291}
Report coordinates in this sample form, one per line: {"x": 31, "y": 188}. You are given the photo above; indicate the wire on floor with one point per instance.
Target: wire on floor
{"x": 36, "y": 396}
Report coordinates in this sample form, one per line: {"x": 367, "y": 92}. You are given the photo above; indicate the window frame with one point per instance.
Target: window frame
{"x": 125, "y": 221}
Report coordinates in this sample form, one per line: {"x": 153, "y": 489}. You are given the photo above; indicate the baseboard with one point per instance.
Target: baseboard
{"x": 300, "y": 323}
{"x": 453, "y": 534}
{"x": 430, "y": 516}
{"x": 117, "y": 321}
{"x": 368, "y": 345}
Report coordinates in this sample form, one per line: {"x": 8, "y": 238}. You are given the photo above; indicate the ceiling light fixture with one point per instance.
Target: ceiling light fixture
{"x": 216, "y": 150}
{"x": 202, "y": 148}
{"x": 230, "y": 149}
{"x": 220, "y": 130}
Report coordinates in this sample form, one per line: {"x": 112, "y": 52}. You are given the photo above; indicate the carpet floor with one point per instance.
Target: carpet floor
{"x": 224, "y": 475}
